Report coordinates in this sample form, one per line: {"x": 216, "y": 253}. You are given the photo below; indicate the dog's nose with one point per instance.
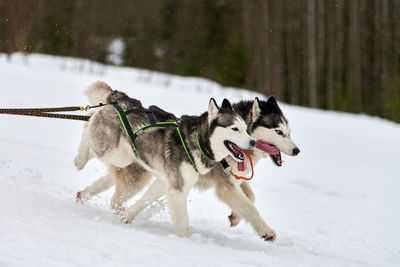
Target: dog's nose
{"x": 252, "y": 143}
{"x": 296, "y": 151}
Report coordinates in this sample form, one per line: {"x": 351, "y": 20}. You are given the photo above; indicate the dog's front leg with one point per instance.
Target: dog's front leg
{"x": 177, "y": 202}
{"x": 155, "y": 191}
{"x": 177, "y": 199}
{"x": 83, "y": 155}
{"x": 241, "y": 204}
{"x": 100, "y": 185}
{"x": 128, "y": 182}
{"x": 235, "y": 218}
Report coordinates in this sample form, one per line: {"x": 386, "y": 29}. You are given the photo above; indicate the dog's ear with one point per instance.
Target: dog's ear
{"x": 272, "y": 100}
{"x": 255, "y": 111}
{"x": 226, "y": 104}
{"x": 213, "y": 110}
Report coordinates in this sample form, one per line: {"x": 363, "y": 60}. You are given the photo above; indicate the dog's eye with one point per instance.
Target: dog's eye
{"x": 235, "y": 129}
{"x": 279, "y": 132}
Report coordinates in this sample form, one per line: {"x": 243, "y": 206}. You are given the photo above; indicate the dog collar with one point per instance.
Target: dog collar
{"x": 204, "y": 151}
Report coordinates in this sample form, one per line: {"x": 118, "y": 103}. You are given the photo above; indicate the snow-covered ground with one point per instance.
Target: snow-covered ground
{"x": 336, "y": 204}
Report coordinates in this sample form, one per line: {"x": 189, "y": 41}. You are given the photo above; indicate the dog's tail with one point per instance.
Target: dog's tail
{"x": 98, "y": 92}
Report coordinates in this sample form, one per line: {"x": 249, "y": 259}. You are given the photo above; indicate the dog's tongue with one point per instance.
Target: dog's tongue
{"x": 272, "y": 150}
{"x": 241, "y": 166}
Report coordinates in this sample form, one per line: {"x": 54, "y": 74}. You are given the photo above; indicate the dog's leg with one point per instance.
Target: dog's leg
{"x": 84, "y": 154}
{"x": 100, "y": 185}
{"x": 127, "y": 185}
{"x": 121, "y": 195}
{"x": 241, "y": 204}
{"x": 155, "y": 191}
{"x": 234, "y": 218}
{"x": 177, "y": 200}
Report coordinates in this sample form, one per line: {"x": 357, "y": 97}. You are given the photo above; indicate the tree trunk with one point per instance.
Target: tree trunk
{"x": 312, "y": 79}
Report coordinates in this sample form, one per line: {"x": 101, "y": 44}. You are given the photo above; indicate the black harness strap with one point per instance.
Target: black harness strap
{"x": 124, "y": 120}
{"x": 153, "y": 124}
{"x": 133, "y": 135}
{"x": 187, "y": 150}
{"x": 126, "y": 124}
{"x": 224, "y": 163}
{"x": 151, "y": 118}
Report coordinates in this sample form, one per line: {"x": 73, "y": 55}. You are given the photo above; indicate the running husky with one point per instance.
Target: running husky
{"x": 266, "y": 123}
{"x": 171, "y": 154}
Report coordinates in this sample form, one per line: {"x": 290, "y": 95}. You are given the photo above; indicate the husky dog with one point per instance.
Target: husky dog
{"x": 171, "y": 154}
{"x": 266, "y": 123}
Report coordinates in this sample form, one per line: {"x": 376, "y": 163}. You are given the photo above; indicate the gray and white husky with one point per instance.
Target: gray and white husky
{"x": 162, "y": 152}
{"x": 266, "y": 123}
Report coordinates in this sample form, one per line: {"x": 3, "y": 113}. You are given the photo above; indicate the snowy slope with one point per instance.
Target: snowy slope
{"x": 336, "y": 204}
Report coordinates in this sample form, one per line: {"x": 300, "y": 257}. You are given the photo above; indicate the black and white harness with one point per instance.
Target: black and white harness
{"x": 153, "y": 124}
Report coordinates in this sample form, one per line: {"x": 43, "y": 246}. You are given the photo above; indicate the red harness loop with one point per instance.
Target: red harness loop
{"x": 252, "y": 169}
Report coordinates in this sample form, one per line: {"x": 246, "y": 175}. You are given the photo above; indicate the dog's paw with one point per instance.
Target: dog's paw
{"x": 269, "y": 236}
{"x": 81, "y": 197}
{"x": 118, "y": 209}
{"x": 79, "y": 162}
{"x": 234, "y": 219}
{"x": 126, "y": 219}
{"x": 78, "y": 198}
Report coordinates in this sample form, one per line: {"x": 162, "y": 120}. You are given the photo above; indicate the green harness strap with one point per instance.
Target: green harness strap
{"x": 123, "y": 121}
{"x": 132, "y": 135}
{"x": 186, "y": 150}
{"x": 198, "y": 144}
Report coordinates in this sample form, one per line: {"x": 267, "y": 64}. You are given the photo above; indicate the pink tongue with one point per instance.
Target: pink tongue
{"x": 241, "y": 166}
{"x": 266, "y": 148}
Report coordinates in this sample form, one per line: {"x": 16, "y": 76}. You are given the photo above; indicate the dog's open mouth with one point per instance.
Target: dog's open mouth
{"x": 237, "y": 152}
{"x": 272, "y": 151}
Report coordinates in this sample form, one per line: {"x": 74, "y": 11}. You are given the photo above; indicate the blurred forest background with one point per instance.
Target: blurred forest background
{"x": 331, "y": 54}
